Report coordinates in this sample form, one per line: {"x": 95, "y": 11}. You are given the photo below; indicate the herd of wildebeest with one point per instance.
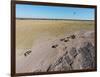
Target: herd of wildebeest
{"x": 28, "y": 52}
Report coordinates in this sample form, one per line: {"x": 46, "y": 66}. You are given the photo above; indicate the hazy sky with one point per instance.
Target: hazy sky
{"x": 39, "y": 11}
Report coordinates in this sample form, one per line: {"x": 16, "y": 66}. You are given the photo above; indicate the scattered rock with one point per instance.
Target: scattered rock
{"x": 68, "y": 60}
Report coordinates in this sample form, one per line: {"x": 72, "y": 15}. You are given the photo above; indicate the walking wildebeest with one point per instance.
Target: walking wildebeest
{"x": 27, "y": 52}
{"x": 72, "y": 36}
{"x": 66, "y": 40}
{"x": 68, "y": 37}
{"x": 54, "y": 46}
{"x": 62, "y": 39}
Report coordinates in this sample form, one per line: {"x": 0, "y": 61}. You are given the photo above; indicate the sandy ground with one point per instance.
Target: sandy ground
{"x": 40, "y": 51}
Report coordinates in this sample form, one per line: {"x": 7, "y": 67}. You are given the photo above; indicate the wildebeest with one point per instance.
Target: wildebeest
{"x": 27, "y": 52}
{"x": 68, "y": 37}
{"x": 66, "y": 40}
{"x": 54, "y": 46}
{"x": 62, "y": 39}
{"x": 72, "y": 36}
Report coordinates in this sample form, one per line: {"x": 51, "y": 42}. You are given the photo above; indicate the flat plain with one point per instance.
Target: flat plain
{"x": 27, "y": 31}
{"x": 31, "y": 33}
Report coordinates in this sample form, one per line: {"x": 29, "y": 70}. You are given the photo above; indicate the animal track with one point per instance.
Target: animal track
{"x": 73, "y": 52}
{"x": 65, "y": 62}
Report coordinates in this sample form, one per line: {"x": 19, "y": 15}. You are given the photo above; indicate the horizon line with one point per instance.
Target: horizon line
{"x": 51, "y": 19}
